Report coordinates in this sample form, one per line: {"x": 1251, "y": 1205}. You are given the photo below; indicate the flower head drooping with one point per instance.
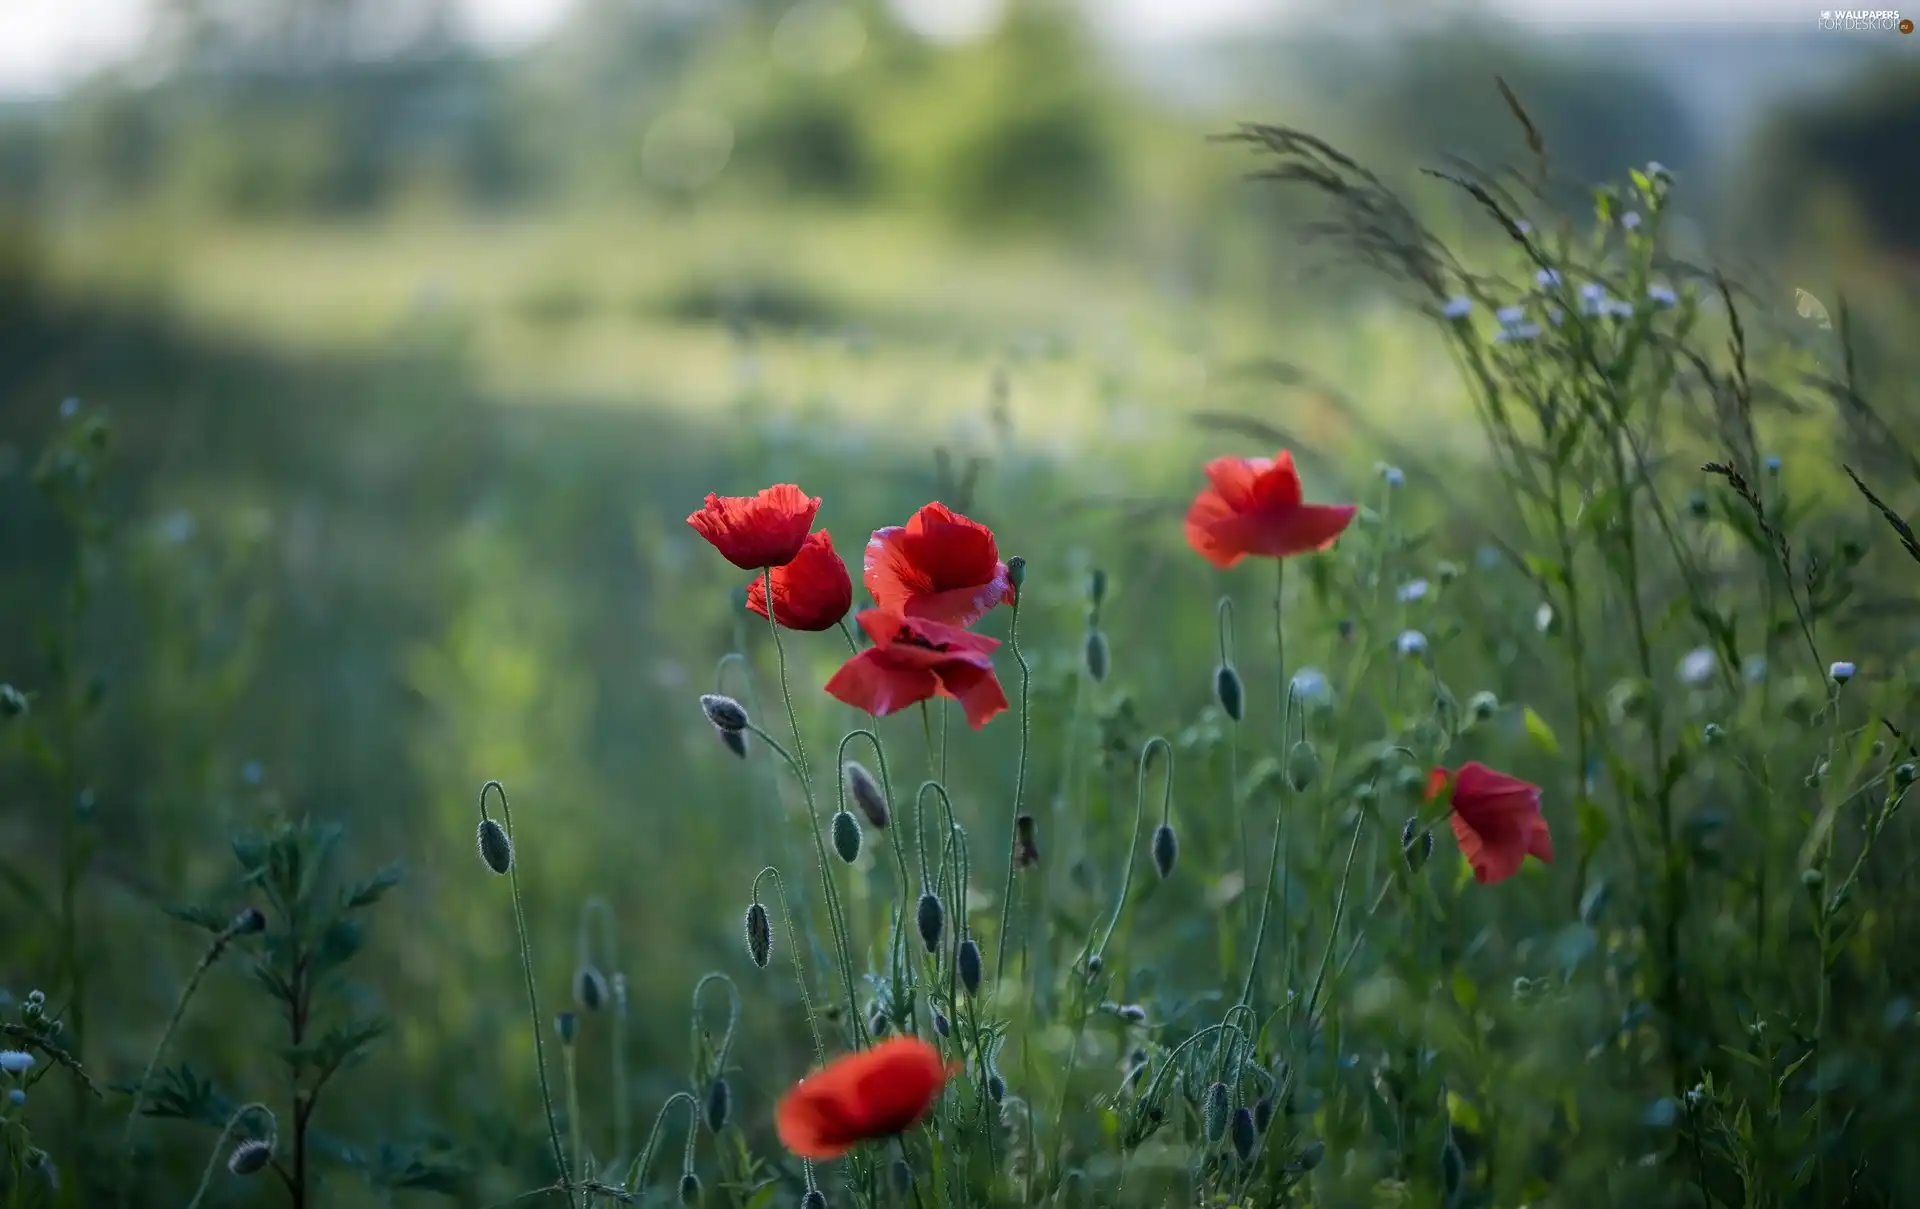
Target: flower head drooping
{"x": 1254, "y": 507}
{"x": 724, "y": 712}
{"x": 249, "y": 1157}
{"x": 1166, "y": 850}
{"x": 813, "y": 592}
{"x": 1495, "y": 817}
{"x": 940, "y": 566}
{"x": 757, "y": 532}
{"x": 872, "y": 1094}
{"x": 759, "y": 930}
{"x": 914, "y": 659}
{"x": 866, "y": 793}
{"x": 496, "y": 847}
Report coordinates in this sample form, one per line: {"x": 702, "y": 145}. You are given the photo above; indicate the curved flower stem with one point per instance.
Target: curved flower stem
{"x": 533, "y": 998}
{"x": 799, "y": 972}
{"x": 637, "y": 1170}
{"x": 1004, "y": 940}
{"x": 220, "y": 1143}
{"x": 1223, "y": 616}
{"x": 1139, "y": 819}
{"x": 1339, "y": 908}
{"x": 570, "y": 1077}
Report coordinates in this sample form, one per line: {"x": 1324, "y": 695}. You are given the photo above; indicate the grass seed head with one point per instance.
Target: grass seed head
{"x": 590, "y": 992}
{"x": 1229, "y": 692}
{"x": 866, "y": 794}
{"x": 1166, "y": 850}
{"x": 496, "y": 848}
{"x": 930, "y": 917}
{"x": 759, "y": 935}
{"x": 968, "y": 963}
{"x": 723, "y": 711}
{"x": 249, "y": 1157}
{"x": 846, "y": 836}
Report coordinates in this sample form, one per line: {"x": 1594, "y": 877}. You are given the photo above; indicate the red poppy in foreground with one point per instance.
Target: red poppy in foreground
{"x": 1252, "y": 506}
{"x": 939, "y": 565}
{"x": 1496, "y": 818}
{"x": 863, "y": 1096}
{"x": 913, "y": 659}
{"x": 755, "y": 532}
{"x": 813, "y": 592}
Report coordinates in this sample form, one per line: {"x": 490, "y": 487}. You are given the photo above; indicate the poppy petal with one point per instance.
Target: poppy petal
{"x": 1204, "y": 518}
{"x": 1539, "y": 841}
{"x": 1492, "y": 862}
{"x": 813, "y": 592}
{"x": 1235, "y": 480}
{"x": 758, "y": 531}
{"x": 870, "y": 682}
{"x": 977, "y": 690}
{"x": 1278, "y": 486}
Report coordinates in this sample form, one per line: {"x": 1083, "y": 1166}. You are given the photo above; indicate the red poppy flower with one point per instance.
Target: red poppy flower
{"x": 1252, "y": 506}
{"x": 874, "y": 1093}
{"x": 913, "y": 659}
{"x": 939, "y": 565}
{"x": 813, "y": 592}
{"x": 755, "y": 532}
{"x": 1496, "y": 818}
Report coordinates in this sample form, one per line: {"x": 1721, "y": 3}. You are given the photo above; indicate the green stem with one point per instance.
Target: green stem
{"x": 599, "y": 909}
{"x": 1139, "y": 820}
{"x": 1019, "y": 790}
{"x": 637, "y": 1170}
{"x": 570, "y": 1071}
{"x": 220, "y": 1143}
{"x": 799, "y": 972}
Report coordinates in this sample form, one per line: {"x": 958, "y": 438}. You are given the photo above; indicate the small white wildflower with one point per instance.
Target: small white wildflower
{"x": 1458, "y": 308}
{"x": 1658, "y": 170}
{"x": 1411, "y": 642}
{"x": 1555, "y": 315}
{"x": 1754, "y": 668}
{"x": 1630, "y": 219}
{"x": 15, "y": 1061}
{"x": 1525, "y": 226}
{"x": 1547, "y": 278}
{"x": 1663, "y": 296}
{"x": 1698, "y": 665}
{"x": 1773, "y": 463}
{"x": 1543, "y": 618}
{"x": 1592, "y": 291}
{"x": 1311, "y": 687}
{"x": 69, "y": 408}
{"x": 1618, "y": 309}
{"x": 1518, "y": 332}
{"x": 1394, "y": 476}
{"x": 1510, "y": 315}
{"x": 1841, "y": 671}
{"x": 1412, "y": 591}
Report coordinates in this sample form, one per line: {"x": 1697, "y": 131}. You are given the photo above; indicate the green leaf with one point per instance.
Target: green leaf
{"x": 1464, "y": 992}
{"x": 1592, "y": 823}
{"x": 19, "y": 883}
{"x": 1540, "y": 732}
{"x": 335, "y": 1047}
{"x": 373, "y": 889}
{"x": 210, "y": 919}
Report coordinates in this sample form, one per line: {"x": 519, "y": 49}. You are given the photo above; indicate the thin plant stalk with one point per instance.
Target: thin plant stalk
{"x": 1139, "y": 820}
{"x": 220, "y": 1144}
{"x": 1004, "y": 940}
{"x": 599, "y": 909}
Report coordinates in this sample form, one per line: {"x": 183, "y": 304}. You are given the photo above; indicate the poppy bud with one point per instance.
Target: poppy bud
{"x": 1026, "y": 851}
{"x": 1094, "y": 965}
{"x": 689, "y": 1189}
{"x": 759, "y": 935}
{"x": 1097, "y": 655}
{"x": 815, "y": 1199}
{"x": 589, "y": 988}
{"x": 877, "y": 1024}
{"x": 1166, "y": 850}
{"x": 1904, "y": 775}
{"x": 496, "y": 849}
{"x": 846, "y": 836}
{"x": 866, "y": 794}
{"x": 1229, "y": 692}
{"x": 13, "y": 702}
{"x": 1312, "y": 1156}
{"x": 736, "y": 741}
{"x": 1415, "y": 847}
{"x": 1303, "y": 765}
{"x": 1483, "y": 705}
{"x": 248, "y": 922}
{"x": 1242, "y": 1133}
{"x": 942, "y": 1025}
{"x": 996, "y": 1087}
{"x": 1262, "y": 1114}
{"x": 568, "y": 1026}
{"x": 719, "y": 1104}
{"x": 967, "y": 962}
{"x": 1215, "y": 1112}
{"x": 1016, "y": 570}
{"x": 724, "y": 712}
{"x": 930, "y": 917}
{"x": 249, "y": 1157}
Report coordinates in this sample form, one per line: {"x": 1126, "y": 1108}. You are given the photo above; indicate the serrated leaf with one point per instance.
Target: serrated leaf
{"x": 335, "y": 1047}
{"x": 1540, "y": 732}
{"x": 373, "y": 889}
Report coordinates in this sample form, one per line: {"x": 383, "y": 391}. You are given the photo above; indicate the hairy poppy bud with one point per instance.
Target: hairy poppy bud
{"x": 1217, "y": 1108}
{"x": 589, "y": 988}
{"x": 1132, "y": 1013}
{"x": 846, "y": 836}
{"x": 815, "y": 1199}
{"x": 1026, "y": 850}
{"x": 996, "y": 1087}
{"x": 1229, "y": 692}
{"x": 249, "y": 1157}
{"x": 735, "y": 740}
{"x": 1312, "y": 1156}
{"x": 249, "y": 922}
{"x": 719, "y": 1104}
{"x": 1097, "y": 655}
{"x": 930, "y": 917}
{"x": 1303, "y": 765}
{"x": 1263, "y": 1113}
{"x": 1016, "y": 571}
{"x": 496, "y": 849}
{"x": 1904, "y": 775}
{"x": 967, "y": 962}
{"x": 1415, "y": 847}
{"x": 568, "y": 1026}
{"x": 866, "y": 794}
{"x": 1242, "y": 1133}
{"x": 724, "y": 712}
{"x": 1095, "y": 964}
{"x": 759, "y": 935}
{"x": 941, "y": 1024}
{"x": 689, "y": 1188}
{"x": 1166, "y": 850}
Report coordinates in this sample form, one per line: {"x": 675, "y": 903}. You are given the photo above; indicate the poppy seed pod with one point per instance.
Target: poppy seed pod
{"x": 496, "y": 849}
{"x": 846, "y": 836}
{"x": 815, "y": 1199}
{"x": 735, "y": 740}
{"x": 724, "y": 712}
{"x": 590, "y": 992}
{"x": 967, "y": 962}
{"x": 689, "y": 1188}
{"x": 930, "y": 917}
{"x": 1097, "y": 655}
{"x": 249, "y": 1157}
{"x": 1229, "y": 692}
{"x": 866, "y": 794}
{"x": 1166, "y": 850}
{"x": 1026, "y": 850}
{"x": 1016, "y": 570}
{"x": 1214, "y": 1113}
{"x": 1303, "y": 765}
{"x": 1242, "y": 1133}
{"x": 759, "y": 935}
{"x": 719, "y": 1104}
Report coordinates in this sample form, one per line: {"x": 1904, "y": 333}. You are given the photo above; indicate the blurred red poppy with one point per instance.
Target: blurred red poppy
{"x": 862, "y": 1096}
{"x": 755, "y": 532}
{"x": 1496, "y": 818}
{"x": 813, "y": 592}
{"x": 1252, "y": 506}
{"x": 939, "y": 565}
{"x": 913, "y": 659}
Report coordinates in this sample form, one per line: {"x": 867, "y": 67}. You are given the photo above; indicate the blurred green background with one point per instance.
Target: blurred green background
{"x": 417, "y": 350}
